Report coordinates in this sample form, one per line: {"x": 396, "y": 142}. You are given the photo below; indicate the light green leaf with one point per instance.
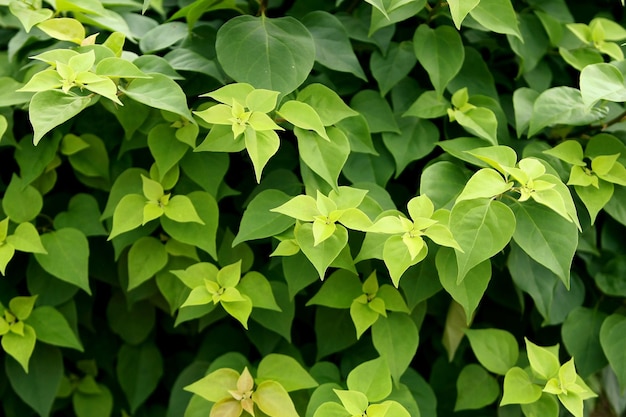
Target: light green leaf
{"x": 166, "y": 149}
{"x": 595, "y": 198}
{"x": 429, "y": 105}
{"x": 26, "y": 238}
{"x": 482, "y": 228}
{"x": 22, "y": 306}
{"x": 362, "y": 316}
{"x": 64, "y": 29}
{"x": 476, "y": 388}
{"x": 273, "y": 400}
{"x": 495, "y": 349}
{"x": 480, "y": 121}
{"x": 459, "y": 10}
{"x": 275, "y": 54}
{"x": 326, "y": 103}
{"x": 325, "y": 158}
{"x": 543, "y": 360}
{"x": 322, "y": 255}
{"x": 259, "y": 290}
{"x": 53, "y": 328}
{"x": 20, "y": 347}
{"x": 181, "y": 209}
{"x": 261, "y": 146}
{"x": 50, "y": 108}
{"x": 485, "y": 183}
{"x": 301, "y": 207}
{"x": 601, "y": 82}
{"x": 286, "y": 371}
{"x": 128, "y": 214}
{"x": 28, "y": 16}
{"x": 440, "y": 51}
{"x": 303, "y": 116}
{"x": 67, "y": 258}
{"x": 518, "y": 388}
{"x": 240, "y": 310}
{"x": 498, "y": 16}
{"x": 214, "y": 387}
{"x": 397, "y": 257}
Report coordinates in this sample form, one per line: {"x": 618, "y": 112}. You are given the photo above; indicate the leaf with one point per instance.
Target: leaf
{"x": 20, "y": 346}
{"x": 581, "y": 336}
{"x": 476, "y": 388}
{"x": 390, "y": 69}
{"x": 429, "y": 105}
{"x": 363, "y": 316}
{"x": 146, "y": 257}
{"x": 482, "y": 228}
{"x": 166, "y": 149}
{"x": 63, "y": 29}
{"x": 133, "y": 323}
{"x": 470, "y": 291}
{"x": 83, "y": 213}
{"x": 322, "y": 255}
{"x": 354, "y": 402}
{"x": 397, "y": 257}
{"x": 376, "y": 111}
{"x": 417, "y": 139}
{"x": 162, "y": 36}
{"x": 338, "y": 291}
{"x": 485, "y": 183}
{"x": 48, "y": 109}
{"x": 561, "y": 105}
{"x": 67, "y": 258}
{"x": 495, "y": 349}
{"x": 397, "y": 11}
{"x": 258, "y": 221}
{"x": 372, "y": 378}
{"x": 93, "y": 405}
{"x": 193, "y": 233}
{"x": 459, "y": 10}
{"x": 138, "y": 370}
{"x": 518, "y": 388}
{"x": 214, "y": 387}
{"x": 53, "y": 328}
{"x": 498, "y": 16}
{"x": 21, "y": 202}
{"x": 272, "y": 399}
{"x": 181, "y": 209}
{"x": 523, "y": 101}
{"x": 601, "y": 82}
{"x": 303, "y": 116}
{"x": 396, "y": 338}
{"x": 325, "y": 158}
{"x": 160, "y": 92}
{"x": 261, "y": 146}
{"x": 546, "y": 237}
{"x": 259, "y": 290}
{"x": 38, "y": 388}
{"x": 544, "y": 362}
{"x": 440, "y": 51}
{"x": 286, "y": 371}
{"x": 480, "y": 121}
{"x": 613, "y": 345}
{"x": 326, "y": 103}
{"x": 275, "y": 54}
{"x": 332, "y": 45}
{"x": 128, "y": 214}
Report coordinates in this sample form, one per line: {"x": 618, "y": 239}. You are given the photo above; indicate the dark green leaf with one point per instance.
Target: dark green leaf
{"x": 138, "y": 369}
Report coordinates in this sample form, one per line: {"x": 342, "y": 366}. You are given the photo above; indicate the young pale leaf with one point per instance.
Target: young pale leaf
{"x": 482, "y": 228}
{"x": 128, "y": 214}
{"x": 64, "y": 29}
{"x": 259, "y": 290}
{"x": 214, "y": 387}
{"x": 354, "y": 402}
{"x": 286, "y": 371}
{"x": 518, "y": 388}
{"x": 273, "y": 400}
{"x": 20, "y": 347}
{"x": 543, "y": 361}
{"x": 396, "y": 338}
{"x": 181, "y": 209}
{"x": 323, "y": 254}
{"x": 495, "y": 349}
{"x": 476, "y": 388}
{"x": 303, "y": 116}
{"x": 440, "y": 51}
{"x": 459, "y": 10}
{"x": 398, "y": 259}
{"x": 301, "y": 207}
{"x": 285, "y": 46}
{"x": 595, "y": 199}
{"x": 601, "y": 82}
{"x": 50, "y": 108}
{"x": 485, "y": 183}
{"x": 261, "y": 146}
{"x": 372, "y": 378}
{"x": 362, "y": 315}
{"x": 240, "y": 310}
{"x": 471, "y": 290}
{"x": 26, "y": 238}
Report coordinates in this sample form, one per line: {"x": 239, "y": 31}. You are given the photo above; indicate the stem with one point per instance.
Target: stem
{"x": 262, "y": 7}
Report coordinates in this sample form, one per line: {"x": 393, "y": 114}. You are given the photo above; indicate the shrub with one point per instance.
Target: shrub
{"x": 322, "y": 209}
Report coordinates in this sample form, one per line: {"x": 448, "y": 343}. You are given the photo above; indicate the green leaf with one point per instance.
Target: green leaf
{"x": 20, "y": 347}
{"x": 480, "y": 121}
{"x": 166, "y": 149}
{"x": 160, "y": 92}
{"x": 470, "y": 291}
{"x": 601, "y": 82}
{"x": 99, "y": 404}
{"x": 53, "y": 328}
{"x": 397, "y": 11}
{"x": 133, "y": 323}
{"x": 21, "y": 202}
{"x": 561, "y": 105}
{"x": 26, "y": 238}
{"x": 28, "y": 16}
{"x": 261, "y": 146}
{"x": 417, "y": 139}
{"x": 146, "y": 257}
{"x": 581, "y": 336}
{"x": 22, "y": 306}
{"x": 162, "y": 36}
{"x": 613, "y": 345}
{"x": 372, "y": 378}
{"x": 376, "y": 111}
{"x": 258, "y": 289}
{"x": 476, "y": 388}
{"x": 546, "y": 237}
{"x": 498, "y": 16}
{"x": 138, "y": 370}
{"x": 280, "y": 321}
{"x": 83, "y": 213}
{"x": 303, "y": 116}
{"x": 397, "y": 257}
{"x": 275, "y": 54}
{"x": 67, "y": 258}
{"x": 240, "y": 310}
{"x": 396, "y": 338}
{"x": 459, "y": 10}
{"x": 523, "y": 101}
{"x": 194, "y": 233}
{"x": 485, "y": 183}
{"x": 482, "y": 228}
{"x": 286, "y": 371}
{"x": 546, "y": 406}
{"x": 429, "y": 105}
{"x": 322, "y": 255}
{"x": 338, "y": 291}
{"x": 128, "y": 214}
{"x": 518, "y": 388}
{"x": 325, "y": 158}
{"x": 181, "y": 209}
{"x": 214, "y": 386}
{"x": 440, "y": 51}
{"x": 363, "y": 316}
{"x": 258, "y": 221}
{"x": 332, "y": 45}
{"x": 39, "y": 386}
{"x": 48, "y": 109}
{"x": 495, "y": 349}
{"x": 390, "y": 69}
{"x": 273, "y": 400}
{"x": 354, "y": 402}
{"x": 358, "y": 133}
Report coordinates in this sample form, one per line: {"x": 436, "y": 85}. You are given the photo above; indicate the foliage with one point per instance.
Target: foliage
{"x": 379, "y": 208}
